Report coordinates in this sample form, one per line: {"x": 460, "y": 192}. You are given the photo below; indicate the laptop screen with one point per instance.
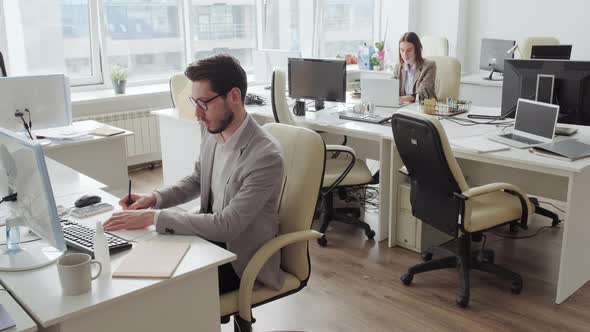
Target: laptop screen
{"x": 536, "y": 118}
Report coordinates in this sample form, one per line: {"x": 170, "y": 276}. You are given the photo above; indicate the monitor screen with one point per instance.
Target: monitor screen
{"x": 494, "y": 52}
{"x": 317, "y": 79}
{"x": 23, "y": 171}
{"x": 571, "y": 89}
{"x": 555, "y": 52}
{"x": 46, "y": 97}
{"x": 536, "y": 118}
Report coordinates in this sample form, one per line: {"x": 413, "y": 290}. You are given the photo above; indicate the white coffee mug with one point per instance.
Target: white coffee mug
{"x": 74, "y": 273}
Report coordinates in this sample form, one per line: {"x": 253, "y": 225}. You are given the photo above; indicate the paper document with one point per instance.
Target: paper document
{"x": 478, "y": 144}
{"x": 152, "y": 259}
{"x": 62, "y": 133}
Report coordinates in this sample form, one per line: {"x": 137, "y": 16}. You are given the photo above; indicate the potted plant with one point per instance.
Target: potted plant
{"x": 375, "y": 62}
{"x": 119, "y": 78}
{"x": 380, "y": 46}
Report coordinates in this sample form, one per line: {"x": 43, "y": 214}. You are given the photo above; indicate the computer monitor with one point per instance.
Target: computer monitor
{"x": 493, "y": 53}
{"x": 47, "y": 99}
{"x": 317, "y": 79}
{"x": 23, "y": 172}
{"x": 551, "y": 52}
{"x": 266, "y": 60}
{"x": 2, "y": 66}
{"x": 571, "y": 87}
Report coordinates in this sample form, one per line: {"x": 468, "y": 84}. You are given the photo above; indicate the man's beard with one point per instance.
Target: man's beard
{"x": 225, "y": 122}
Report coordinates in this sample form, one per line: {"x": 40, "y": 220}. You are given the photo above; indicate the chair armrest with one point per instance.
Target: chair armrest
{"x": 340, "y": 148}
{"x": 259, "y": 259}
{"x": 527, "y": 206}
{"x": 490, "y": 188}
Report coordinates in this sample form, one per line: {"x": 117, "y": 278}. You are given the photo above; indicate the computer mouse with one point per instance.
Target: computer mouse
{"x": 87, "y": 200}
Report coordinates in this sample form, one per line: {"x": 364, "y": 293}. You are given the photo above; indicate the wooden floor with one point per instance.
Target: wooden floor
{"x": 355, "y": 286}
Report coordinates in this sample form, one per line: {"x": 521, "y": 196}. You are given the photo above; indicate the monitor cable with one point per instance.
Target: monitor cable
{"x": 27, "y": 126}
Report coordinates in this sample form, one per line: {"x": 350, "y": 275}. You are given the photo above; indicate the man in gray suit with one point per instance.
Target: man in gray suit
{"x": 238, "y": 177}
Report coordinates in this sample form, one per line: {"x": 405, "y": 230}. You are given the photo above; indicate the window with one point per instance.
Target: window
{"x": 223, "y": 28}
{"x": 344, "y": 25}
{"x": 145, "y": 37}
{"x": 50, "y": 36}
{"x": 282, "y": 26}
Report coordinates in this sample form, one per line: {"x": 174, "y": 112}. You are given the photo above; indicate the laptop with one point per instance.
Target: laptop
{"x": 534, "y": 124}
{"x": 383, "y": 92}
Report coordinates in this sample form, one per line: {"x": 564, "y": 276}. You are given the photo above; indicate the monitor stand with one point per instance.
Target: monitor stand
{"x": 491, "y": 78}
{"x": 31, "y": 255}
{"x": 319, "y": 105}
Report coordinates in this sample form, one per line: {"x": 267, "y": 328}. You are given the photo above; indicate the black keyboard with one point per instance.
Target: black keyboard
{"x": 370, "y": 118}
{"x": 521, "y": 139}
{"x": 81, "y": 238}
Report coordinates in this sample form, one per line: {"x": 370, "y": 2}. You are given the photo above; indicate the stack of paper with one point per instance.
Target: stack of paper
{"x": 62, "y": 133}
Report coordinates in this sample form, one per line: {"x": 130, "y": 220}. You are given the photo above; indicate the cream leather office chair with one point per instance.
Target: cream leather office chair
{"x": 180, "y": 90}
{"x": 343, "y": 169}
{"x": 525, "y": 46}
{"x": 441, "y": 198}
{"x": 304, "y": 154}
{"x": 434, "y": 46}
{"x": 448, "y": 77}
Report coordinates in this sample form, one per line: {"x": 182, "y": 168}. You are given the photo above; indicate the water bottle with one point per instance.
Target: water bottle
{"x": 101, "y": 250}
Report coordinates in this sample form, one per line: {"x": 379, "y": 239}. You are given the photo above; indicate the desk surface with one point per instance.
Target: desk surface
{"x": 86, "y": 126}
{"x": 65, "y": 181}
{"x": 477, "y": 78}
{"x": 40, "y": 291}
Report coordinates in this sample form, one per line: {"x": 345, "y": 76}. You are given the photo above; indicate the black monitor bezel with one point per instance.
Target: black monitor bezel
{"x": 290, "y": 77}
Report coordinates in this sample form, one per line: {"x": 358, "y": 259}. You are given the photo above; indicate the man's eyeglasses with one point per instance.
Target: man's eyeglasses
{"x": 202, "y": 103}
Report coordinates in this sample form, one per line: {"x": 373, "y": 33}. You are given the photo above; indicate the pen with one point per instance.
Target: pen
{"x": 129, "y": 201}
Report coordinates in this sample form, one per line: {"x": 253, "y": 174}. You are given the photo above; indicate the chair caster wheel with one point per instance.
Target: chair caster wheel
{"x": 516, "y": 287}
{"x": 488, "y": 256}
{"x": 463, "y": 301}
{"x": 370, "y": 234}
{"x": 406, "y": 279}
{"x": 426, "y": 256}
{"x": 322, "y": 241}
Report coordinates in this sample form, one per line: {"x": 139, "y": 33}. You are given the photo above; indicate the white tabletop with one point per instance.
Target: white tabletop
{"x": 86, "y": 126}
{"x": 477, "y": 78}
{"x": 65, "y": 181}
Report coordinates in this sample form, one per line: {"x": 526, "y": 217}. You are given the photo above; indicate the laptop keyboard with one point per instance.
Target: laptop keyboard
{"x": 521, "y": 139}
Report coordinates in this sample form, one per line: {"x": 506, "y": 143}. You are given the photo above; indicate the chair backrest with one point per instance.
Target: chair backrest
{"x": 2, "y": 66}
{"x": 525, "y": 46}
{"x": 434, "y": 46}
{"x": 304, "y": 154}
{"x": 280, "y": 108}
{"x": 434, "y": 173}
{"x": 180, "y": 90}
{"x": 448, "y": 77}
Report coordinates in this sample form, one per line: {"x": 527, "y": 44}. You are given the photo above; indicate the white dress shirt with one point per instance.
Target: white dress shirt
{"x": 410, "y": 78}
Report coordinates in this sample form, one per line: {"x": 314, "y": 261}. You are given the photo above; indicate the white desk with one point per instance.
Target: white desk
{"x": 481, "y": 92}
{"x": 187, "y": 301}
{"x": 23, "y": 322}
{"x": 101, "y": 158}
{"x": 65, "y": 181}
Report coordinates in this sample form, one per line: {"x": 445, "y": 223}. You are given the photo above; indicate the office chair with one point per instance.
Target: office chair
{"x": 434, "y": 46}
{"x": 2, "y": 66}
{"x": 304, "y": 154}
{"x": 180, "y": 90}
{"x": 343, "y": 169}
{"x": 441, "y": 198}
{"x": 448, "y": 77}
{"x": 526, "y": 45}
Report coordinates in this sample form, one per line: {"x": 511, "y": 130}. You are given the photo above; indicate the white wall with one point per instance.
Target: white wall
{"x": 394, "y": 13}
{"x": 514, "y": 19}
{"x": 436, "y": 18}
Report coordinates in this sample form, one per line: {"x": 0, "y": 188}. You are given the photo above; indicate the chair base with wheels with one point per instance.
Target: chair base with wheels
{"x": 465, "y": 260}
{"x": 348, "y": 216}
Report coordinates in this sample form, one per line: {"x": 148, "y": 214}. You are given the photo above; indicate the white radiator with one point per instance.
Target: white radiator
{"x": 144, "y": 145}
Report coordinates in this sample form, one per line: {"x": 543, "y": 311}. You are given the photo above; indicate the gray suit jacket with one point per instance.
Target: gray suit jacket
{"x": 249, "y": 216}
{"x": 424, "y": 83}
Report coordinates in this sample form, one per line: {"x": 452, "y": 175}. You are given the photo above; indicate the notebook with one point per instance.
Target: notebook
{"x": 106, "y": 131}
{"x": 152, "y": 259}
{"x": 478, "y": 144}
{"x": 570, "y": 149}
